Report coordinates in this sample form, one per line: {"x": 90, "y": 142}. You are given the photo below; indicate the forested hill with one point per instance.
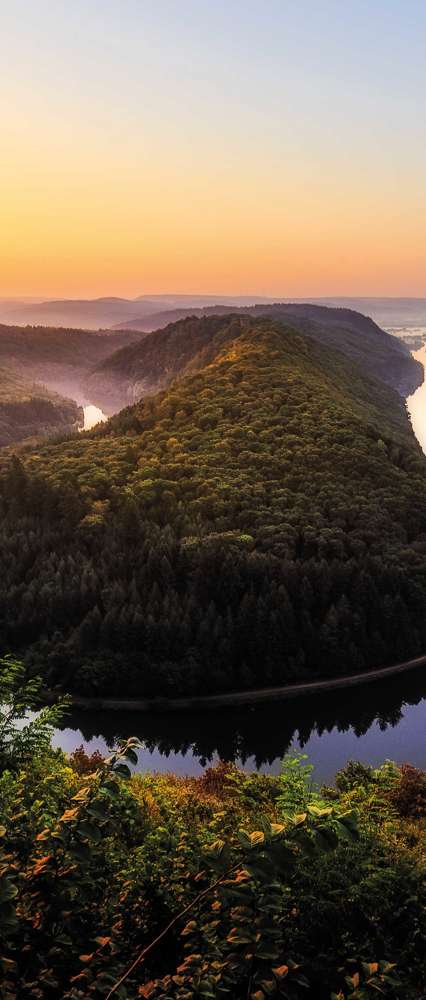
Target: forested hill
{"x": 29, "y": 410}
{"x": 262, "y": 519}
{"x": 153, "y": 362}
{"x": 58, "y": 358}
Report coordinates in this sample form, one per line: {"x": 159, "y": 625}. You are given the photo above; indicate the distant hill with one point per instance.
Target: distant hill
{"x": 28, "y": 410}
{"x": 111, "y": 311}
{"x": 159, "y": 357}
{"x": 394, "y": 314}
{"x": 158, "y": 320}
{"x": 260, "y": 519}
{"x": 389, "y": 312}
{"x": 139, "y": 313}
{"x": 80, "y": 313}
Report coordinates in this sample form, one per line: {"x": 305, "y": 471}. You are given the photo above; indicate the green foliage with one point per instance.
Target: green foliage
{"x": 48, "y": 886}
{"x": 298, "y": 791}
{"x": 19, "y": 695}
{"x": 374, "y": 978}
{"x": 156, "y": 886}
{"x": 408, "y": 792}
{"x": 240, "y": 529}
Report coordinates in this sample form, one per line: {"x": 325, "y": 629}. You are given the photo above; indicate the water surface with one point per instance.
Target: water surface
{"x": 92, "y": 416}
{"x": 416, "y": 404}
{"x": 385, "y": 720}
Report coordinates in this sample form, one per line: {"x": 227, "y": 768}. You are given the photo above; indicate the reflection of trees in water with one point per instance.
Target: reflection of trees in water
{"x": 264, "y": 733}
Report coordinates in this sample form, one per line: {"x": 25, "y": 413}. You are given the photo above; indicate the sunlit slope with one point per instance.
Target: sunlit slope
{"x": 262, "y": 519}
{"x": 126, "y": 376}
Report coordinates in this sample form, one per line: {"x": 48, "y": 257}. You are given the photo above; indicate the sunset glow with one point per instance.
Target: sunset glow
{"x": 245, "y": 147}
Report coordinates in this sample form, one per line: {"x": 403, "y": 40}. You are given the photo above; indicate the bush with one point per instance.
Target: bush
{"x": 84, "y": 763}
{"x": 409, "y": 794}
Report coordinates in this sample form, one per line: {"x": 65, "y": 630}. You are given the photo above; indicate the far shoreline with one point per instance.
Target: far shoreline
{"x": 234, "y": 699}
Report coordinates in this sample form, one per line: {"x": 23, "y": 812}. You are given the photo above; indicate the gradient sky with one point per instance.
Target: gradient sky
{"x": 268, "y": 146}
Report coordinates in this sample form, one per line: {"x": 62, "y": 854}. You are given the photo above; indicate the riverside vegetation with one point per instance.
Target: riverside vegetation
{"x": 259, "y": 520}
{"x": 231, "y": 885}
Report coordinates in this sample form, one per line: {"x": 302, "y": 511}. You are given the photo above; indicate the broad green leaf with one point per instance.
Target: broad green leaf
{"x": 90, "y": 831}
{"x": 123, "y": 770}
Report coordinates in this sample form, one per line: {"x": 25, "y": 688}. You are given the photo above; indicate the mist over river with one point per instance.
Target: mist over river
{"x": 372, "y": 723}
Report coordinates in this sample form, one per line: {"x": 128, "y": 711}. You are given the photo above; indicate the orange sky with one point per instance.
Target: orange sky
{"x": 146, "y": 153}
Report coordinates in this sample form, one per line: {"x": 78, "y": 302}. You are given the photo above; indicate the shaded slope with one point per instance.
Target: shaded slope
{"x": 260, "y": 521}
{"x": 30, "y": 410}
{"x": 58, "y": 358}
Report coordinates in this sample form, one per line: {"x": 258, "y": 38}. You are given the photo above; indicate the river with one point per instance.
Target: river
{"x": 380, "y": 721}
{"x": 92, "y": 416}
{"x": 416, "y": 404}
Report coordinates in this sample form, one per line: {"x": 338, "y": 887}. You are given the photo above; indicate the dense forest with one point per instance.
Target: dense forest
{"x": 29, "y": 410}
{"x": 262, "y": 519}
{"x": 231, "y": 885}
{"x": 152, "y": 363}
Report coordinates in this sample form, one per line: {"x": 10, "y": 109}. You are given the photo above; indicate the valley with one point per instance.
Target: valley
{"x": 42, "y": 374}
{"x": 213, "y": 501}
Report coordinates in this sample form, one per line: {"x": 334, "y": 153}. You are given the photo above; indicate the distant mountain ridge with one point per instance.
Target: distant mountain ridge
{"x": 140, "y": 312}
{"x": 104, "y": 312}
{"x": 394, "y": 314}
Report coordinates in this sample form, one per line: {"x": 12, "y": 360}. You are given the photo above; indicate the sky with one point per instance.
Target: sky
{"x": 275, "y": 147}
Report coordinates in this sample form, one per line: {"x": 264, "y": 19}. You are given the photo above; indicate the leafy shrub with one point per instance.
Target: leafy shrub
{"x": 409, "y": 794}
{"x": 297, "y": 788}
{"x": 84, "y": 763}
{"x": 19, "y": 695}
{"x": 113, "y": 885}
{"x": 352, "y": 775}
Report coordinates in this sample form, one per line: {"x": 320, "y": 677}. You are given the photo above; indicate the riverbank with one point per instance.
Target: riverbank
{"x": 233, "y": 699}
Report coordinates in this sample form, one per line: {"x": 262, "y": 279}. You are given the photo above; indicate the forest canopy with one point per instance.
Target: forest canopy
{"x": 260, "y": 520}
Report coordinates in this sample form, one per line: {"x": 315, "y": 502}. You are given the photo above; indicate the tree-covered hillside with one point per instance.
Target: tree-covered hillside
{"x": 29, "y": 410}
{"x": 152, "y": 363}
{"x": 260, "y": 520}
{"x": 58, "y": 358}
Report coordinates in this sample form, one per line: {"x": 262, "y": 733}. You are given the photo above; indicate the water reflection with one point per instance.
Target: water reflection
{"x": 372, "y": 723}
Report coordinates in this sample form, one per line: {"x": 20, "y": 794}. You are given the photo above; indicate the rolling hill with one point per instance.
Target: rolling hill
{"x": 259, "y": 520}
{"x": 155, "y": 360}
{"x": 90, "y": 314}
{"x": 399, "y": 315}
{"x": 108, "y": 311}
